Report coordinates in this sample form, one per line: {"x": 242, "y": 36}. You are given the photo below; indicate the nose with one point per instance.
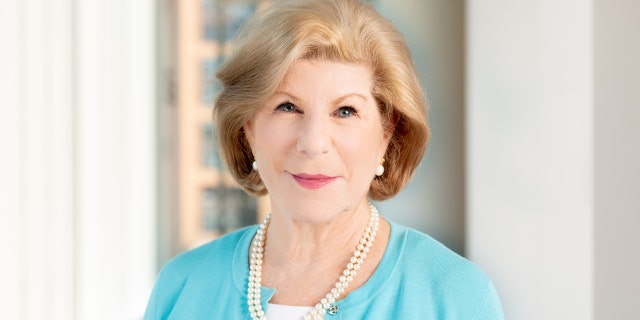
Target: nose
{"x": 314, "y": 138}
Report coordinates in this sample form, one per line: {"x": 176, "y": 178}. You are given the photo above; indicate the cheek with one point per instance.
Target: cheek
{"x": 270, "y": 138}
{"x": 364, "y": 149}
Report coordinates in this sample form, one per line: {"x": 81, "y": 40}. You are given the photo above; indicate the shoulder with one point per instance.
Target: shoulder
{"x": 420, "y": 250}
{"x": 451, "y": 279}
{"x": 203, "y": 264}
{"x": 218, "y": 251}
{"x": 197, "y": 273}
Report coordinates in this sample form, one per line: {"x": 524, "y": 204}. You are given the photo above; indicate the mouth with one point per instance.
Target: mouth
{"x": 312, "y": 181}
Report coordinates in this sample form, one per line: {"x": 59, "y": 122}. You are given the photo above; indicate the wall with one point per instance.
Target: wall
{"x": 115, "y": 155}
{"x": 36, "y": 188}
{"x": 616, "y": 159}
{"x": 553, "y": 155}
{"x": 77, "y": 221}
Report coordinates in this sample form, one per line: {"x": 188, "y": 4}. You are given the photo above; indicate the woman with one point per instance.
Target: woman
{"x": 321, "y": 109}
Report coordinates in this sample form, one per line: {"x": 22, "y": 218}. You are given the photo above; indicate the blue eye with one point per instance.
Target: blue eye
{"x": 286, "y": 107}
{"x": 345, "y": 112}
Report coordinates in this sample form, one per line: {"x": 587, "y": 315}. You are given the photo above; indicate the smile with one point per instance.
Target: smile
{"x": 312, "y": 181}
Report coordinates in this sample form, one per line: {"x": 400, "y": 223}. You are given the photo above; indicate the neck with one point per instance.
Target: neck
{"x": 302, "y": 260}
{"x": 304, "y": 243}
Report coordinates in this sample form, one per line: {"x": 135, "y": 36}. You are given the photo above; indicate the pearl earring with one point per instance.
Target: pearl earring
{"x": 254, "y": 165}
{"x": 379, "y": 170}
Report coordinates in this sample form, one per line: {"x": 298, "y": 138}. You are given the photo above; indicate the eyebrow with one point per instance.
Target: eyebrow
{"x": 286, "y": 93}
{"x": 335, "y": 101}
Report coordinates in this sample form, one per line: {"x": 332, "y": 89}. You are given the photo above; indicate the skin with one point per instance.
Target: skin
{"x": 321, "y": 122}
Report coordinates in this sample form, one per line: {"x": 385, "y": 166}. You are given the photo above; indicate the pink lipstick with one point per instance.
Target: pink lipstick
{"x": 312, "y": 181}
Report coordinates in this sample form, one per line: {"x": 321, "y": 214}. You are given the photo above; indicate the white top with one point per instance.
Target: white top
{"x": 282, "y": 312}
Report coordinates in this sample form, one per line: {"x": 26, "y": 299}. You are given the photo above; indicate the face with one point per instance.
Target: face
{"x": 318, "y": 140}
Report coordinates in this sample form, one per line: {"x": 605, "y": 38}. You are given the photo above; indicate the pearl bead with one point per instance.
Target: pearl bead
{"x": 255, "y": 266}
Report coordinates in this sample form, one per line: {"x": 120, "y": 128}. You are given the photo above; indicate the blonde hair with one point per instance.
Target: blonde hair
{"x": 347, "y": 31}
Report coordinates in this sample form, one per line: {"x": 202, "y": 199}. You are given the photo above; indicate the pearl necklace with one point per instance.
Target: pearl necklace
{"x": 328, "y": 302}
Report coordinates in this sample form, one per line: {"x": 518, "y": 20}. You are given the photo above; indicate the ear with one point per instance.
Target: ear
{"x": 387, "y": 134}
{"x": 384, "y": 145}
{"x": 249, "y": 133}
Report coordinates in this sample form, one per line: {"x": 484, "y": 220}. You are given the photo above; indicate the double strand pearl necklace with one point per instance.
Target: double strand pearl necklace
{"x": 326, "y": 303}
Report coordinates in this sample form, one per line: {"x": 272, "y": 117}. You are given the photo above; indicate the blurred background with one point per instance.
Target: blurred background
{"x": 109, "y": 166}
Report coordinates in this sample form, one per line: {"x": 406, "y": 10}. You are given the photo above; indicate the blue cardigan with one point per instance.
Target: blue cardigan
{"x": 417, "y": 278}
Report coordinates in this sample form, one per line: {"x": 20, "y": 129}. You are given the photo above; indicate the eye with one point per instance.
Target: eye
{"x": 286, "y": 107}
{"x": 345, "y": 112}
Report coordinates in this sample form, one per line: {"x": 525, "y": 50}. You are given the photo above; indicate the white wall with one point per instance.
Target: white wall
{"x": 36, "y": 209}
{"x": 115, "y": 141}
{"x": 77, "y": 223}
{"x": 553, "y": 155}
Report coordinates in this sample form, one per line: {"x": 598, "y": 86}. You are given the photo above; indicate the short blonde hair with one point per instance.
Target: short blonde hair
{"x": 347, "y": 31}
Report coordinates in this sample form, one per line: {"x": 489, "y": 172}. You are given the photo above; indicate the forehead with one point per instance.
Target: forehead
{"x": 306, "y": 74}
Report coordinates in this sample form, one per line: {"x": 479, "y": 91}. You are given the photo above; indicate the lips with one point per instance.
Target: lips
{"x": 312, "y": 181}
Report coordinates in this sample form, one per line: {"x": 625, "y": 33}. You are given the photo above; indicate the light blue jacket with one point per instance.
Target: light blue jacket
{"x": 418, "y": 278}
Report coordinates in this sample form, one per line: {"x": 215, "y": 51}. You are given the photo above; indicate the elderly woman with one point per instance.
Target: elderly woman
{"x": 322, "y": 110}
